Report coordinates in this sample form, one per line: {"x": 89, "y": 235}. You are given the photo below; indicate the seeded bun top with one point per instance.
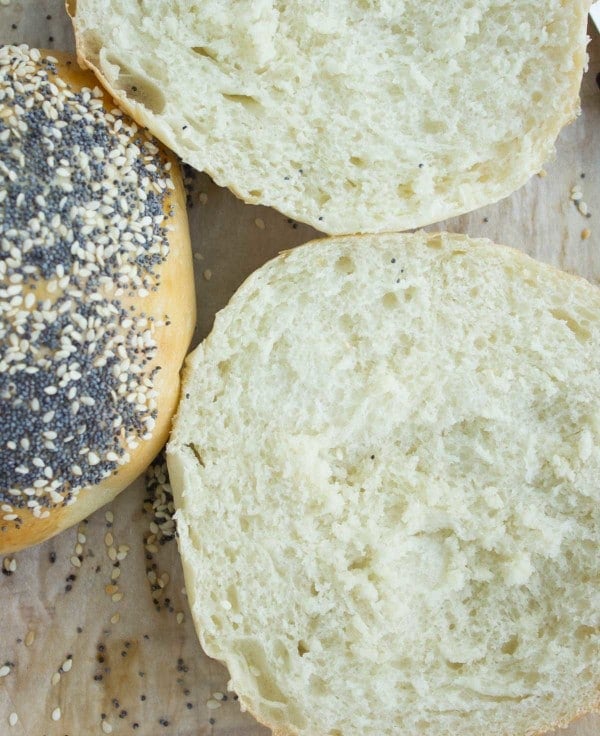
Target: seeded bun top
{"x": 96, "y": 296}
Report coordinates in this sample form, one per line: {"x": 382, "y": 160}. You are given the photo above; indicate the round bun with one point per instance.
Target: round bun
{"x": 97, "y": 302}
{"x": 350, "y": 116}
{"x": 386, "y": 467}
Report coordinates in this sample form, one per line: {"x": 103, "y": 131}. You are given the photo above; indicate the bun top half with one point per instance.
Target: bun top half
{"x": 96, "y": 295}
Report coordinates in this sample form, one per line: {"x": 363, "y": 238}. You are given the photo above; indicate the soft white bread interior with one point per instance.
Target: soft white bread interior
{"x": 97, "y": 302}
{"x": 387, "y": 471}
{"x": 350, "y": 116}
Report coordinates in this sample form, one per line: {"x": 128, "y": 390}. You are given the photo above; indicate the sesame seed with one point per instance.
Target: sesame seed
{"x": 56, "y": 714}
{"x": 207, "y": 274}
{"x": 93, "y": 458}
{"x": 29, "y": 638}
{"x": 576, "y": 194}
{"x": 9, "y": 565}
{"x": 212, "y": 704}
{"x": 582, "y": 207}
{"x": 4, "y": 670}
{"x": 260, "y": 223}
{"x": 586, "y": 233}
{"x": 12, "y": 719}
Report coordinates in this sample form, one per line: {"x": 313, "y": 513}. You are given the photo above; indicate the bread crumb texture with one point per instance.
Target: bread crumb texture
{"x": 386, "y": 467}
{"x": 350, "y": 116}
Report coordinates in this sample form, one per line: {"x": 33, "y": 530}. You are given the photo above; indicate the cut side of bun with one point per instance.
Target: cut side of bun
{"x": 352, "y": 117}
{"x": 387, "y": 471}
{"x": 97, "y": 303}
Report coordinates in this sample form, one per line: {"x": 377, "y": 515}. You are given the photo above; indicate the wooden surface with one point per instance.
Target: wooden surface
{"x": 151, "y": 668}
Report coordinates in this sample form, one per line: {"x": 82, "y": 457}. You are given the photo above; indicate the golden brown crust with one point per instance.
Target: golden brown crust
{"x": 174, "y": 298}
